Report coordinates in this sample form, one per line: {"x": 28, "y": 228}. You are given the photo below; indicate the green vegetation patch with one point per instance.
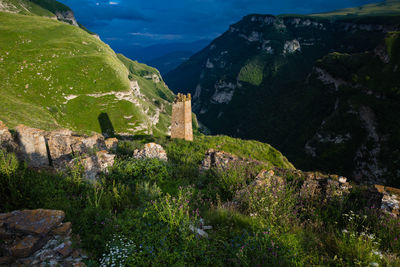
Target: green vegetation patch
{"x": 57, "y": 75}
{"x": 252, "y": 72}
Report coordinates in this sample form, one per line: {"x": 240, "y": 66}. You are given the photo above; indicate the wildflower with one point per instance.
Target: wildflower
{"x": 345, "y": 231}
{"x": 374, "y": 264}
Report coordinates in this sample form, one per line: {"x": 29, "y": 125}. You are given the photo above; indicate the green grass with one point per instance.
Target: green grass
{"x": 43, "y": 61}
{"x": 141, "y": 212}
{"x": 252, "y": 72}
{"x": 385, "y": 8}
{"x": 27, "y": 7}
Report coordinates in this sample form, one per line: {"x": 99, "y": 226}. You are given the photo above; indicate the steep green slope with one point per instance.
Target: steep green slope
{"x": 25, "y": 7}
{"x": 57, "y": 75}
{"x": 260, "y": 80}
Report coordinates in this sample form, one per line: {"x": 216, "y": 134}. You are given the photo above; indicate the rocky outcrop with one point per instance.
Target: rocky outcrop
{"x": 37, "y": 238}
{"x": 33, "y": 146}
{"x": 111, "y": 143}
{"x": 291, "y": 46}
{"x": 60, "y": 149}
{"x": 67, "y": 16}
{"x": 94, "y": 165}
{"x": 390, "y": 199}
{"x": 324, "y": 187}
{"x": 42, "y": 149}
{"x": 222, "y": 160}
{"x": 6, "y": 139}
{"x": 151, "y": 150}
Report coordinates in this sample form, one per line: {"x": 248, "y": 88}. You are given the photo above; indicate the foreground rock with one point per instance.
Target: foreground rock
{"x": 222, "y": 160}
{"x": 60, "y": 149}
{"x": 111, "y": 144}
{"x": 37, "y": 238}
{"x": 33, "y": 146}
{"x": 390, "y": 199}
{"x": 6, "y": 140}
{"x": 41, "y": 148}
{"x": 322, "y": 187}
{"x": 95, "y": 164}
{"x": 151, "y": 151}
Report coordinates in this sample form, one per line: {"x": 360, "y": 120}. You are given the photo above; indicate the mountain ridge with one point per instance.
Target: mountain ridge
{"x": 260, "y": 80}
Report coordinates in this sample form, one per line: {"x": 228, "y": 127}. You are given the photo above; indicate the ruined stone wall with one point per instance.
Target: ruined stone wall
{"x": 181, "y": 123}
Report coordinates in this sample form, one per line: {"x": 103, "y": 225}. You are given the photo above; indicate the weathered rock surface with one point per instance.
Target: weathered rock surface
{"x": 64, "y": 144}
{"x": 390, "y": 199}
{"x": 94, "y": 165}
{"x": 58, "y": 148}
{"x": 267, "y": 179}
{"x": 151, "y": 150}
{"x": 37, "y": 238}
{"x": 111, "y": 143}
{"x": 324, "y": 187}
{"x": 222, "y": 160}
{"x": 37, "y": 222}
{"x": 33, "y": 146}
{"x": 6, "y": 139}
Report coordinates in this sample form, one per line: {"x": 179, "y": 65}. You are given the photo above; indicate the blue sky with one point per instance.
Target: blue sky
{"x": 147, "y": 22}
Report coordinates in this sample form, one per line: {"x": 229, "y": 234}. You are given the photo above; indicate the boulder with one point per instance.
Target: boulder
{"x": 85, "y": 145}
{"x": 60, "y": 146}
{"x": 37, "y": 222}
{"x": 222, "y": 160}
{"x": 6, "y": 139}
{"x": 267, "y": 178}
{"x": 389, "y": 199}
{"x": 324, "y": 187}
{"x": 151, "y": 150}
{"x": 25, "y": 247}
{"x": 33, "y": 146}
{"x": 37, "y": 238}
{"x": 111, "y": 143}
{"x": 94, "y": 165}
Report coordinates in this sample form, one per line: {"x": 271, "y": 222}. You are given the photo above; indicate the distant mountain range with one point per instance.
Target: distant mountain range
{"x": 164, "y": 57}
{"x": 322, "y": 88}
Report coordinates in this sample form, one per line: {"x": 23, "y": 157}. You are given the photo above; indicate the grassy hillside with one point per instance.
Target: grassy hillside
{"x": 26, "y": 7}
{"x": 57, "y": 75}
{"x": 145, "y": 212}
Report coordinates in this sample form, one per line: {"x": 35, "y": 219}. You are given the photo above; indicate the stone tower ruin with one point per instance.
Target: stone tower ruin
{"x": 181, "y": 123}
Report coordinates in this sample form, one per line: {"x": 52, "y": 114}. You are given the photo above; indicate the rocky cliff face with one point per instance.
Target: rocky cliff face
{"x": 284, "y": 79}
{"x": 67, "y": 16}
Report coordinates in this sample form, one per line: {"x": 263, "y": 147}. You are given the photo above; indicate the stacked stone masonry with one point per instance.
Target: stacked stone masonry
{"x": 181, "y": 126}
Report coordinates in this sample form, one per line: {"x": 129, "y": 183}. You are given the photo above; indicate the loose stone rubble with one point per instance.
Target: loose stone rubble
{"x": 151, "y": 150}
{"x": 37, "y": 238}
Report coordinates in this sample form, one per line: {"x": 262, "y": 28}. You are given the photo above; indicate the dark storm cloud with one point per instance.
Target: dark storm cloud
{"x": 153, "y": 21}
